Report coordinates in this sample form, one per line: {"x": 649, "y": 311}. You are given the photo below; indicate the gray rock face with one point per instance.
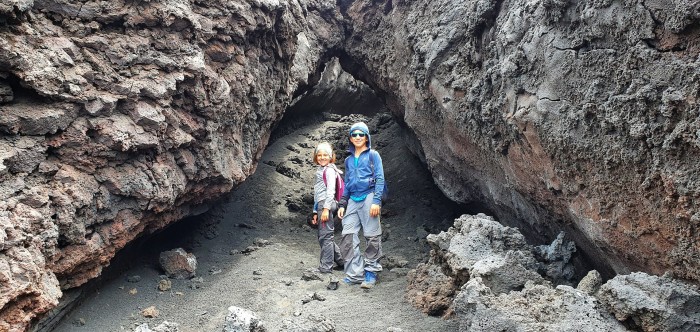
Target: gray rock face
{"x": 590, "y": 283}
{"x": 652, "y": 303}
{"x": 511, "y": 296}
{"x": 535, "y": 308}
{"x": 476, "y": 247}
{"x": 479, "y": 246}
{"x": 579, "y": 116}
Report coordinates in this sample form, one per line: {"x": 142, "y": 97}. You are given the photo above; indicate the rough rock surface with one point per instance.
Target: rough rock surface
{"x": 476, "y": 247}
{"x": 162, "y": 327}
{"x": 517, "y": 298}
{"x": 431, "y": 290}
{"x": 579, "y": 116}
{"x": 178, "y": 264}
{"x": 123, "y": 116}
{"x": 590, "y": 283}
{"x": 535, "y": 308}
{"x": 242, "y": 320}
{"x": 651, "y": 303}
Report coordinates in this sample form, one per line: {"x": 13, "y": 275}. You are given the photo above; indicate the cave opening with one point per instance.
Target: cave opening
{"x": 240, "y": 225}
{"x": 230, "y": 231}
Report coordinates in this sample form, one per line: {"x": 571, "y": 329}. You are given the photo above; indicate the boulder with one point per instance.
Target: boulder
{"x": 178, "y": 264}
{"x": 652, "y": 303}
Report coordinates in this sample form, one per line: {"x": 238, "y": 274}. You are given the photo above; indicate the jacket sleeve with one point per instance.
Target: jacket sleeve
{"x": 346, "y": 194}
{"x": 330, "y": 188}
{"x": 378, "y": 177}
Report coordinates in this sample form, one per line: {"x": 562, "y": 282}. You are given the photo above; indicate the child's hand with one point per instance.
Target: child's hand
{"x": 324, "y": 215}
{"x": 313, "y": 219}
{"x": 341, "y": 212}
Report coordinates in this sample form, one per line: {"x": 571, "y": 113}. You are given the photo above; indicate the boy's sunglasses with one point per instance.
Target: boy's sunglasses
{"x": 358, "y": 135}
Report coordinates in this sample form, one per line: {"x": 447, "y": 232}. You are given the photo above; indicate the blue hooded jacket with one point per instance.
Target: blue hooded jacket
{"x": 359, "y": 178}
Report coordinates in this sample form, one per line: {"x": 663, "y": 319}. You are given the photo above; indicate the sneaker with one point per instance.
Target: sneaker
{"x": 350, "y": 282}
{"x": 370, "y": 280}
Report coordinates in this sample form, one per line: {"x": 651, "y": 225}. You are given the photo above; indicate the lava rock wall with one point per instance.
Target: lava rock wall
{"x": 120, "y": 117}
{"x": 580, "y": 116}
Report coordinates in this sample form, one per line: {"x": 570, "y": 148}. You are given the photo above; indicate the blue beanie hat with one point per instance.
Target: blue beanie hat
{"x": 359, "y": 126}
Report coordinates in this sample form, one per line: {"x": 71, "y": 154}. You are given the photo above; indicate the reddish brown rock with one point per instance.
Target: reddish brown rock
{"x": 430, "y": 290}
{"x": 178, "y": 264}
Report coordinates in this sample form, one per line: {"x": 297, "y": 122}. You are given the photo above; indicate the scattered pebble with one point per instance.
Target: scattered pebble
{"x": 310, "y": 274}
{"x": 332, "y": 283}
{"x": 165, "y": 285}
{"x": 310, "y": 297}
{"x": 307, "y": 298}
{"x": 133, "y": 291}
{"x": 79, "y": 322}
{"x": 150, "y": 312}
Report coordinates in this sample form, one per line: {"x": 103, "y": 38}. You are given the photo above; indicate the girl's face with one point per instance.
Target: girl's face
{"x": 323, "y": 158}
{"x": 358, "y": 138}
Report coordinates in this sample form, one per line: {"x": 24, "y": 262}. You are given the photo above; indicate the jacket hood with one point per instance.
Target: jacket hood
{"x": 363, "y": 127}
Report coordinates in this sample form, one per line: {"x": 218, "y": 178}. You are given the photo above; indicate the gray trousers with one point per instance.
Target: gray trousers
{"x": 357, "y": 217}
{"x": 330, "y": 252}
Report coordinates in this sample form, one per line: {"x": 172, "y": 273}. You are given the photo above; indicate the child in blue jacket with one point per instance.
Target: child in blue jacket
{"x": 360, "y": 208}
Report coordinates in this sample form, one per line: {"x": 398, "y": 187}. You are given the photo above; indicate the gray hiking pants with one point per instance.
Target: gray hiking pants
{"x": 330, "y": 252}
{"x": 357, "y": 217}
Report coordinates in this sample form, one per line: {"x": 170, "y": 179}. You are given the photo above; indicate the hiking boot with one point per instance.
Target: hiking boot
{"x": 370, "y": 280}
{"x": 350, "y": 282}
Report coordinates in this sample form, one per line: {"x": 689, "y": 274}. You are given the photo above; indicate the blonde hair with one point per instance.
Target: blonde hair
{"x": 324, "y": 146}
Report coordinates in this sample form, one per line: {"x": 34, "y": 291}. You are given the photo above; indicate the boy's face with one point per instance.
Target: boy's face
{"x": 323, "y": 158}
{"x": 358, "y": 138}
